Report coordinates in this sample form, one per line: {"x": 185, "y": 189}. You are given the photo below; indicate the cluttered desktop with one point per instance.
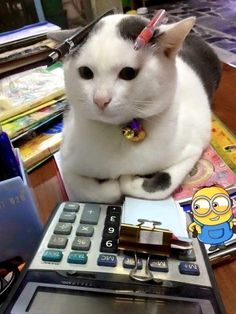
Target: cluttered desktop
{"x": 95, "y": 256}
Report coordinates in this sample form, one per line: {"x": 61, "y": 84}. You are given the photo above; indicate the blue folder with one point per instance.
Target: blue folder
{"x": 20, "y": 226}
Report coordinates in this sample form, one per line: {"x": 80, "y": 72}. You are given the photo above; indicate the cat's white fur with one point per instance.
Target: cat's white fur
{"x": 166, "y": 94}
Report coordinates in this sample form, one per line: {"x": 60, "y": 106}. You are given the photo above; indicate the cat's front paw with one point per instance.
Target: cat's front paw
{"x": 130, "y": 184}
{"x": 87, "y": 189}
{"x": 155, "y": 186}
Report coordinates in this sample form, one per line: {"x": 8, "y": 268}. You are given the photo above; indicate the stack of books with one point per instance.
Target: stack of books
{"x": 31, "y": 107}
{"x": 23, "y": 47}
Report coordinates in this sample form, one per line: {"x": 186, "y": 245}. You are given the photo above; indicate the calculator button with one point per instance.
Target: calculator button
{"x": 85, "y": 230}
{"x": 90, "y": 214}
{"x": 57, "y": 242}
{"x": 77, "y": 258}
{"x": 109, "y": 245}
{"x": 113, "y": 209}
{"x": 63, "y": 228}
{"x": 111, "y": 231}
{"x": 71, "y": 207}
{"x": 189, "y": 269}
{"x": 107, "y": 260}
{"x": 159, "y": 264}
{"x": 187, "y": 255}
{"x": 129, "y": 262}
{"x": 52, "y": 256}
{"x": 67, "y": 217}
{"x": 81, "y": 244}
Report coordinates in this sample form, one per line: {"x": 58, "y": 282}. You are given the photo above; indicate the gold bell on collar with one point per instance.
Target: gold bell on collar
{"x": 134, "y": 131}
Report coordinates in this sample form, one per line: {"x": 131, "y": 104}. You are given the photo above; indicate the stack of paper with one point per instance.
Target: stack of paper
{"x": 168, "y": 212}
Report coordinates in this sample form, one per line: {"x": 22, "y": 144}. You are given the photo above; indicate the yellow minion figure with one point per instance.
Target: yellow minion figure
{"x": 213, "y": 221}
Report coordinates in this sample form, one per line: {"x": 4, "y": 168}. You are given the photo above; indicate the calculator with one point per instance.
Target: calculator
{"x": 79, "y": 256}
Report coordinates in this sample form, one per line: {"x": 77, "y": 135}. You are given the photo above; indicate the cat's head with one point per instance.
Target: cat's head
{"x": 108, "y": 80}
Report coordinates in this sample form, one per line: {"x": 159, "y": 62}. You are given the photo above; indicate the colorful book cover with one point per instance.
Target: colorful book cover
{"x": 224, "y": 142}
{"x": 28, "y": 122}
{"x": 37, "y": 149}
{"x": 31, "y": 89}
{"x": 209, "y": 170}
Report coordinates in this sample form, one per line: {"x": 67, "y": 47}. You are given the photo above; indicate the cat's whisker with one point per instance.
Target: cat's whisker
{"x": 136, "y": 101}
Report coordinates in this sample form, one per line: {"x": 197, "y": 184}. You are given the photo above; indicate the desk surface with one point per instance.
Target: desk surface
{"x": 47, "y": 192}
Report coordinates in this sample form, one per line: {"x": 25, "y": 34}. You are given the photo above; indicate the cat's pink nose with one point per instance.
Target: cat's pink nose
{"x": 102, "y": 99}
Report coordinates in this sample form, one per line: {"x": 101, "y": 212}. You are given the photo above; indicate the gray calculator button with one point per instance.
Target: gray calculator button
{"x": 85, "y": 230}
{"x": 67, "y": 217}
{"x": 129, "y": 262}
{"x": 81, "y": 244}
{"x": 63, "y": 228}
{"x": 57, "y": 242}
{"x": 187, "y": 255}
{"x": 159, "y": 264}
{"x": 71, "y": 207}
{"x": 90, "y": 214}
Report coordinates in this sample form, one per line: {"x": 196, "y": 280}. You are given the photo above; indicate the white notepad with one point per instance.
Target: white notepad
{"x": 167, "y": 212}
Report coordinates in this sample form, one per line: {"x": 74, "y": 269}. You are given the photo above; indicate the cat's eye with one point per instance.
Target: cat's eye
{"x": 86, "y": 73}
{"x": 128, "y": 73}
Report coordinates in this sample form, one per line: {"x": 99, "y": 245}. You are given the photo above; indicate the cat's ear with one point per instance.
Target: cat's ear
{"x": 172, "y": 36}
{"x": 62, "y": 35}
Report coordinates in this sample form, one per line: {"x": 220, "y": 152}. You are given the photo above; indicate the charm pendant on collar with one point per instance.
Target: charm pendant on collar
{"x": 134, "y": 131}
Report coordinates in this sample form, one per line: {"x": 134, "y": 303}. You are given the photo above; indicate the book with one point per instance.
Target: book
{"x": 42, "y": 145}
{"x": 224, "y": 142}
{"x": 21, "y": 57}
{"x": 31, "y": 89}
{"x": 32, "y": 120}
{"x": 209, "y": 170}
{"x": 27, "y": 32}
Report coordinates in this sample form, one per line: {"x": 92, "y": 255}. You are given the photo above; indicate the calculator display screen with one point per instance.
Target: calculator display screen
{"x": 62, "y": 301}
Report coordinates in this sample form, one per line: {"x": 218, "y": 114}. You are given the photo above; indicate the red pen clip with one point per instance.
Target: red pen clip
{"x": 147, "y": 33}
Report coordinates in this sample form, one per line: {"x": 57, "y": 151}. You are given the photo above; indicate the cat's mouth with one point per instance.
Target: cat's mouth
{"x": 110, "y": 118}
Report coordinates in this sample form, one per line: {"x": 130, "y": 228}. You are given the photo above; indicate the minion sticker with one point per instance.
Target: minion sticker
{"x": 213, "y": 220}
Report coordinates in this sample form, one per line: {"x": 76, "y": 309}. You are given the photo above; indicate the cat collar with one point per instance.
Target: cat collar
{"x": 134, "y": 131}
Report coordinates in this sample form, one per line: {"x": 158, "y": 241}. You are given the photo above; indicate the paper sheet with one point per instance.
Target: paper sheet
{"x": 167, "y": 211}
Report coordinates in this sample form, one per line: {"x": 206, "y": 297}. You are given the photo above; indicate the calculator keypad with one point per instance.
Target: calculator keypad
{"x": 86, "y": 235}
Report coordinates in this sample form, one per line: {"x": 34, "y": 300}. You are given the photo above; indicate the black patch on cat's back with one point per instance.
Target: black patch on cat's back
{"x": 203, "y": 60}
{"x": 130, "y": 27}
{"x": 156, "y": 182}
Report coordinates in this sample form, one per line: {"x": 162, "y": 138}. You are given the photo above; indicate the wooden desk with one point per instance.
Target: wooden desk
{"x": 47, "y": 192}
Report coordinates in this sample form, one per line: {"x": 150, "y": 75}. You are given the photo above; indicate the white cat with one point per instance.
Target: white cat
{"x": 167, "y": 86}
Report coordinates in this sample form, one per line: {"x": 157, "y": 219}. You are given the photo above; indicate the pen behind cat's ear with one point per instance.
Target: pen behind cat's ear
{"x": 62, "y": 35}
{"x": 171, "y": 36}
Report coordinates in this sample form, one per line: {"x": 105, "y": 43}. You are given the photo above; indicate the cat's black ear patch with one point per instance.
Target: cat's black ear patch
{"x": 156, "y": 182}
{"x": 130, "y": 27}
